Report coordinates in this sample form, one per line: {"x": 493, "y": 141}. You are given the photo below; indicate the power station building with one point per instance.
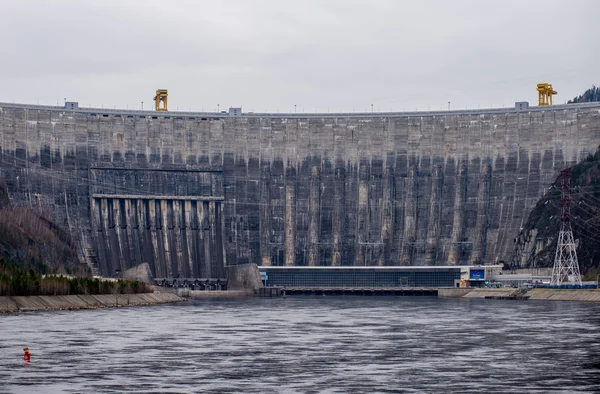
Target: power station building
{"x": 377, "y": 277}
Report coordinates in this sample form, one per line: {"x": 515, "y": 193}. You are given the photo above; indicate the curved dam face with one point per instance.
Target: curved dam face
{"x": 191, "y": 192}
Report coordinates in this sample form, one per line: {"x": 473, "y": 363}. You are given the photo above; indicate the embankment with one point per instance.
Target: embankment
{"x": 220, "y": 294}
{"x": 564, "y": 295}
{"x": 532, "y": 294}
{"x": 37, "y": 303}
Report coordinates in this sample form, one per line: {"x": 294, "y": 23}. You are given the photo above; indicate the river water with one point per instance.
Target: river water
{"x": 307, "y": 345}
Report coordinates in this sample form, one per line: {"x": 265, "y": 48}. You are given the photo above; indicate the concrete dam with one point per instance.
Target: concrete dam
{"x": 189, "y": 193}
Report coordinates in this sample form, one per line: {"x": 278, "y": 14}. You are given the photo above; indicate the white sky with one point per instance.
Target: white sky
{"x": 267, "y": 55}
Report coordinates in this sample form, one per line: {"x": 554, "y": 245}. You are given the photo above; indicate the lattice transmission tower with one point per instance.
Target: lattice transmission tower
{"x": 566, "y": 268}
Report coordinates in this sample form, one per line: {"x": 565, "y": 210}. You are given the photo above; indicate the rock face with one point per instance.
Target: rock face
{"x": 537, "y": 241}
{"x": 188, "y": 192}
{"x": 29, "y": 238}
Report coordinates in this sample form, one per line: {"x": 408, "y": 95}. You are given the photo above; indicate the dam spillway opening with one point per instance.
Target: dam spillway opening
{"x": 170, "y": 219}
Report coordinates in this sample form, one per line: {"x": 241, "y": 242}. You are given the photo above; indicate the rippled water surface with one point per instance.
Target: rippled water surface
{"x": 307, "y": 345}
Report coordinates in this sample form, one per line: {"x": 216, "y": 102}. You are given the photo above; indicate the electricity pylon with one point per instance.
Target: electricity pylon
{"x": 566, "y": 268}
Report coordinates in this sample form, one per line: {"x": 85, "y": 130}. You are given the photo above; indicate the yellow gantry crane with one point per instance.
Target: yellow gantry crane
{"x": 545, "y": 93}
{"x": 161, "y": 97}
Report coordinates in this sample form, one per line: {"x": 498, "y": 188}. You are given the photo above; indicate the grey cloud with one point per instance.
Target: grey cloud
{"x": 340, "y": 54}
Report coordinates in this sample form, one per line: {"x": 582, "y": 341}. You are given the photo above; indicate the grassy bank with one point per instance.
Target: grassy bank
{"x": 16, "y": 280}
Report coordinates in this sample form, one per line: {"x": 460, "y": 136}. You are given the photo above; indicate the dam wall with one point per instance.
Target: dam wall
{"x": 188, "y": 193}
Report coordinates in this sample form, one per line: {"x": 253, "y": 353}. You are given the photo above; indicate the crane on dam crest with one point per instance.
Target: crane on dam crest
{"x": 161, "y": 97}
{"x": 545, "y": 93}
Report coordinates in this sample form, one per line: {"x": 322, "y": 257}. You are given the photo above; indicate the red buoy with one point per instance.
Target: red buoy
{"x": 26, "y": 355}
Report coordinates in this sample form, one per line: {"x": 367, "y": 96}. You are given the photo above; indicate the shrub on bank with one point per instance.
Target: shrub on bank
{"x": 15, "y": 280}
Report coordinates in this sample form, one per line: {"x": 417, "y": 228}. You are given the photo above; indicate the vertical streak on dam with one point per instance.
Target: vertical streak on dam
{"x": 290, "y": 216}
{"x": 457, "y": 246}
{"x": 363, "y": 215}
{"x": 481, "y": 227}
{"x": 338, "y": 222}
{"x": 188, "y": 193}
{"x": 387, "y": 217}
{"x": 266, "y": 214}
{"x": 410, "y": 215}
{"x": 314, "y": 205}
{"x": 433, "y": 230}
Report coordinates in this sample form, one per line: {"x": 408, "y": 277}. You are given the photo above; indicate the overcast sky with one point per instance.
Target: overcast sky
{"x": 324, "y": 55}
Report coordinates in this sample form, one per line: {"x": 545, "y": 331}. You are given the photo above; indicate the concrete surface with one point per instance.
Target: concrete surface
{"x": 220, "y": 294}
{"x": 532, "y": 294}
{"x": 188, "y": 193}
{"x": 141, "y": 273}
{"x": 243, "y": 277}
{"x": 564, "y": 295}
{"x": 482, "y": 293}
{"x": 7, "y": 304}
{"x": 36, "y": 303}
{"x": 453, "y": 293}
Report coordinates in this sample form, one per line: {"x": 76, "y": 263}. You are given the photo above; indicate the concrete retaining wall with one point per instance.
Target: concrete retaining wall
{"x": 564, "y": 295}
{"x": 533, "y": 294}
{"x": 141, "y": 273}
{"x": 188, "y": 193}
{"x": 453, "y": 293}
{"x": 244, "y": 277}
{"x": 36, "y": 303}
{"x": 482, "y": 293}
{"x": 220, "y": 294}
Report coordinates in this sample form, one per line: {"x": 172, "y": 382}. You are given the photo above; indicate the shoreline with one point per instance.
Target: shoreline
{"x": 12, "y": 304}
{"x": 538, "y": 294}
{"x": 207, "y": 295}
{"x": 9, "y": 304}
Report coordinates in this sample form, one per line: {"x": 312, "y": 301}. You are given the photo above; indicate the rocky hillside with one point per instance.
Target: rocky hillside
{"x": 539, "y": 236}
{"x": 34, "y": 241}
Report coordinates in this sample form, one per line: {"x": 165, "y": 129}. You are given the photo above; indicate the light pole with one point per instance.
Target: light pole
{"x": 142, "y": 105}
